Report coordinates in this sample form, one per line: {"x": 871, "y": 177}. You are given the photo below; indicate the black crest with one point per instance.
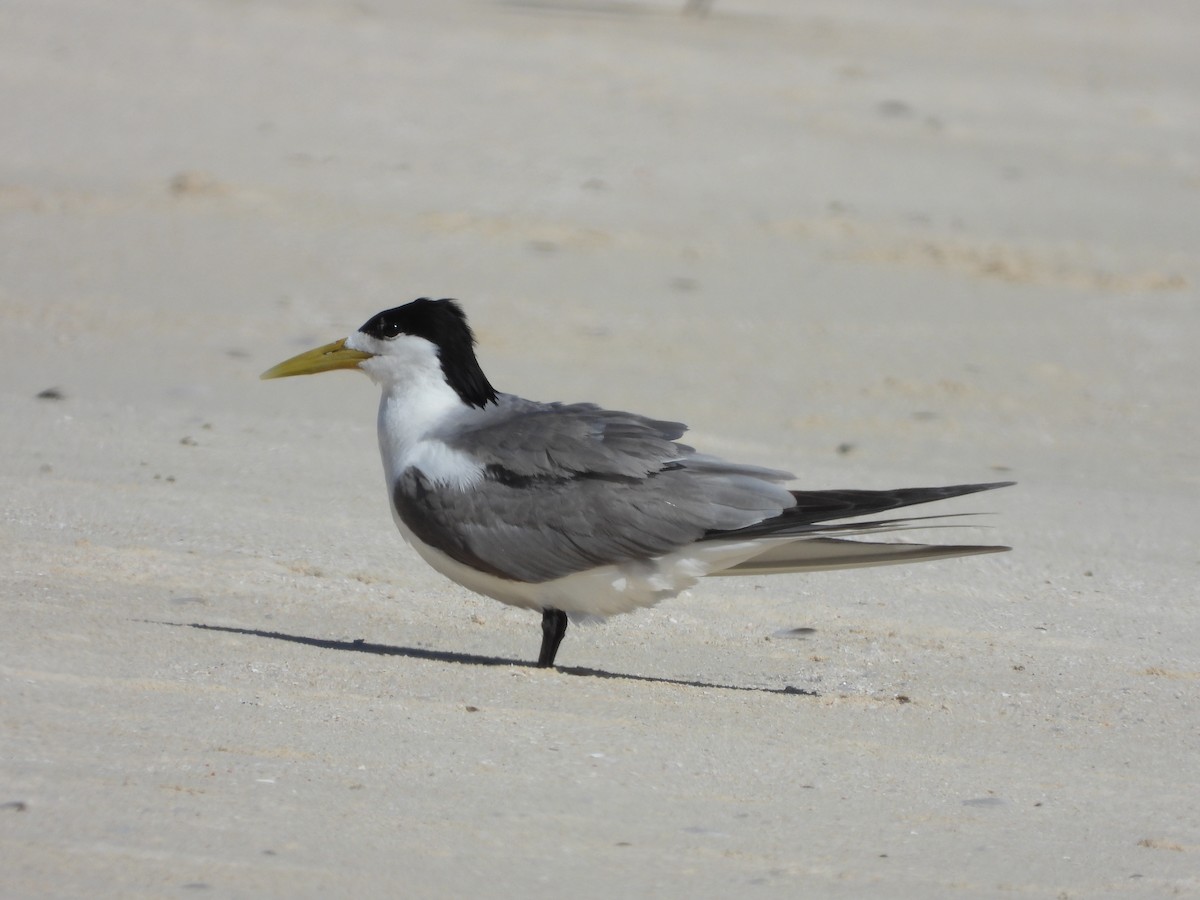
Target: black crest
{"x": 443, "y": 324}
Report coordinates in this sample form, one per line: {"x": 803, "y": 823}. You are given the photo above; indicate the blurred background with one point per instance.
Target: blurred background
{"x": 878, "y": 244}
{"x": 878, "y": 222}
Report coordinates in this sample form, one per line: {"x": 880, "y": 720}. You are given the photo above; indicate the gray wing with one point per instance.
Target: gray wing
{"x": 566, "y": 488}
{"x": 532, "y": 439}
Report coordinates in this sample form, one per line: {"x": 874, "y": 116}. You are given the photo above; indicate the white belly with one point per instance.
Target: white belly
{"x": 600, "y": 592}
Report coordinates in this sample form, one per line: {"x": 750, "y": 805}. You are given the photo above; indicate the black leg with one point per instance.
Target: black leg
{"x": 554, "y": 626}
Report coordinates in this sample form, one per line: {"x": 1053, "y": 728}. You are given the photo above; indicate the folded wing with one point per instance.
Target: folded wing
{"x": 567, "y": 488}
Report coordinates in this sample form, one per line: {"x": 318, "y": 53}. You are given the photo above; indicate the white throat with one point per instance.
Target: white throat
{"x": 415, "y": 402}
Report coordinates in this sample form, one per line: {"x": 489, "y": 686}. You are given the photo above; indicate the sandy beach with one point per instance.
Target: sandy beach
{"x": 874, "y": 244}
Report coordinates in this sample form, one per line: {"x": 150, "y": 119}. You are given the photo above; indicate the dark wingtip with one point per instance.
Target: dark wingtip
{"x": 958, "y": 490}
{"x": 825, "y": 506}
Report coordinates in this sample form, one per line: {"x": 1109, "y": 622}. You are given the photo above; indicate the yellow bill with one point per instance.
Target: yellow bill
{"x": 321, "y": 359}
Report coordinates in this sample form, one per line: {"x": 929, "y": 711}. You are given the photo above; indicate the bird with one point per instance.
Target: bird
{"x": 577, "y": 511}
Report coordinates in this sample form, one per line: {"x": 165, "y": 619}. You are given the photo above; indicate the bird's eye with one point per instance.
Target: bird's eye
{"x": 384, "y": 327}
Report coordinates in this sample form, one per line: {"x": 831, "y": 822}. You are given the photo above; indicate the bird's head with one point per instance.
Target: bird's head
{"x": 400, "y": 347}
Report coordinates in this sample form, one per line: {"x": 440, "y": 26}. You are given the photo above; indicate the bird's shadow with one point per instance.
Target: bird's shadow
{"x": 472, "y": 659}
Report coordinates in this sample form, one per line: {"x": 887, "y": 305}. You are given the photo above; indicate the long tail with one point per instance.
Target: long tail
{"x": 808, "y": 536}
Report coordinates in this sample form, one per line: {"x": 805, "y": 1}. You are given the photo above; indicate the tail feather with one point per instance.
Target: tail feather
{"x": 818, "y": 554}
{"x": 808, "y": 537}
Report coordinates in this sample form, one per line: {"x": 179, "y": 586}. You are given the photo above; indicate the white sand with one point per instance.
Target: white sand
{"x": 959, "y": 237}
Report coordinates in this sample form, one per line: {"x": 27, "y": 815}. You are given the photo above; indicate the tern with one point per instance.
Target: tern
{"x": 581, "y": 512}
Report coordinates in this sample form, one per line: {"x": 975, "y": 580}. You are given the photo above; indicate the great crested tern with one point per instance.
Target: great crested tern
{"x": 579, "y": 511}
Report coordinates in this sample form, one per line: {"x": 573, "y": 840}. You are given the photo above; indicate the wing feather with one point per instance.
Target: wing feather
{"x": 569, "y": 487}
{"x": 566, "y": 488}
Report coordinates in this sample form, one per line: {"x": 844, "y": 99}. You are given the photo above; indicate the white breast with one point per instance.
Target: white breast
{"x": 600, "y": 592}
